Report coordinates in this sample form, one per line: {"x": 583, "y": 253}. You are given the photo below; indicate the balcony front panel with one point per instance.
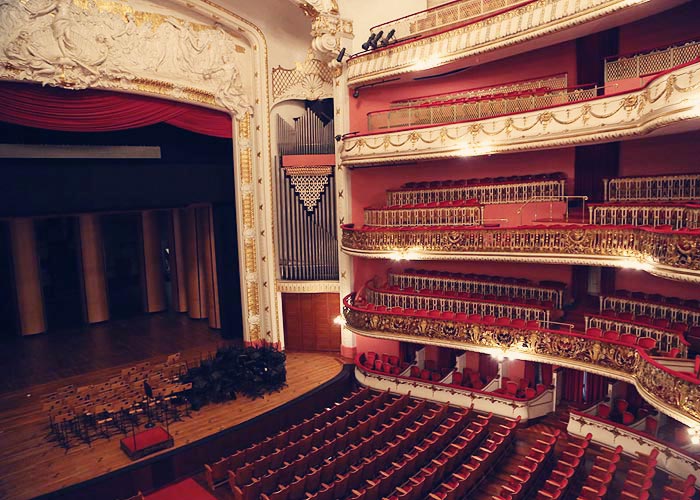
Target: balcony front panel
{"x": 522, "y": 27}
{"x": 668, "y": 103}
{"x": 669, "y": 254}
{"x": 673, "y": 393}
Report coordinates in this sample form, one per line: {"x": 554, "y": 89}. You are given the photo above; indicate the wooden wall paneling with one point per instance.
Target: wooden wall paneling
{"x": 30, "y": 301}
{"x": 195, "y": 281}
{"x": 93, "y": 269}
{"x": 178, "y": 271}
{"x": 152, "y": 278}
{"x": 308, "y": 321}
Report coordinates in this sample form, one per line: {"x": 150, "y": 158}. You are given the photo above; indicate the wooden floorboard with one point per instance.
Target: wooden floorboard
{"x": 33, "y": 466}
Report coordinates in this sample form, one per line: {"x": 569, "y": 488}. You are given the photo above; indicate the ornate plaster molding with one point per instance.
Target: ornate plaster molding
{"x": 522, "y": 26}
{"x": 310, "y": 80}
{"x": 670, "y": 99}
{"x": 671, "y": 393}
{"x": 111, "y": 45}
{"x": 307, "y": 286}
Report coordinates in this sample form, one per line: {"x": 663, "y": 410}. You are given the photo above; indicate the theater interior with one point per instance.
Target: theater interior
{"x": 350, "y": 249}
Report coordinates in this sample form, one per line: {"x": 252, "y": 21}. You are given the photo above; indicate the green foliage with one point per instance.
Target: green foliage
{"x": 252, "y": 371}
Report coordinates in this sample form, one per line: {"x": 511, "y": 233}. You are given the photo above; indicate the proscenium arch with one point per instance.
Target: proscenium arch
{"x": 252, "y": 158}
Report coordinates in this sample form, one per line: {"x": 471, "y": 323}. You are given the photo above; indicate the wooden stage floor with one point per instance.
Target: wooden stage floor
{"x": 33, "y": 466}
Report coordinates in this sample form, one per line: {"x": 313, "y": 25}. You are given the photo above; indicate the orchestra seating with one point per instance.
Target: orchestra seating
{"x": 567, "y": 469}
{"x": 116, "y": 405}
{"x": 369, "y": 445}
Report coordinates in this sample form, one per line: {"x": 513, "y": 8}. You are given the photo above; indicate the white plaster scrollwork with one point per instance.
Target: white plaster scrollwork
{"x": 59, "y": 43}
{"x": 310, "y": 80}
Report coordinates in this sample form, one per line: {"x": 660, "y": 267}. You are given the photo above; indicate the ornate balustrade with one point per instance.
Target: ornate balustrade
{"x": 667, "y": 99}
{"x": 650, "y": 62}
{"x": 483, "y": 401}
{"x": 673, "y": 393}
{"x": 666, "y": 339}
{"x": 465, "y": 284}
{"x": 684, "y": 187}
{"x": 470, "y": 215}
{"x": 671, "y": 254}
{"x": 488, "y": 193}
{"x": 671, "y": 312}
{"x": 661, "y": 214}
{"x": 426, "y": 303}
{"x": 547, "y": 82}
{"x": 442, "y": 17}
{"x": 672, "y": 459}
{"x": 520, "y": 23}
{"x": 461, "y": 110}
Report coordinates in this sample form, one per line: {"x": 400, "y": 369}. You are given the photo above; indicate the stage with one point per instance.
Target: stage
{"x": 32, "y": 466}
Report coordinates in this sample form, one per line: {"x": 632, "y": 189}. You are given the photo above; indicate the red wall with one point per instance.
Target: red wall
{"x": 663, "y": 29}
{"x": 639, "y": 281}
{"x": 669, "y": 154}
{"x": 544, "y": 62}
{"x": 380, "y": 346}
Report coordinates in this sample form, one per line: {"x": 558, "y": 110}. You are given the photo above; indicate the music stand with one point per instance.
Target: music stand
{"x": 149, "y": 395}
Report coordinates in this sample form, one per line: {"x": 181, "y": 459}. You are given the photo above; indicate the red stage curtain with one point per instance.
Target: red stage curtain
{"x": 488, "y": 366}
{"x": 596, "y": 387}
{"x": 99, "y": 111}
{"x": 573, "y": 385}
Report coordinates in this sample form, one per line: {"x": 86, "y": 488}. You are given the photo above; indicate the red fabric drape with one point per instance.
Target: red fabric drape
{"x": 572, "y": 385}
{"x": 488, "y": 366}
{"x": 530, "y": 372}
{"x": 596, "y": 387}
{"x": 546, "y": 374}
{"x": 99, "y": 111}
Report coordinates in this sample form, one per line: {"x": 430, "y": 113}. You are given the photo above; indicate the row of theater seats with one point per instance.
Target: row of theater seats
{"x": 599, "y": 478}
{"x": 450, "y": 294}
{"x": 568, "y": 467}
{"x": 448, "y": 100}
{"x": 513, "y": 179}
{"x": 644, "y": 319}
{"x": 469, "y": 378}
{"x": 655, "y": 298}
{"x": 647, "y": 343}
{"x": 621, "y": 413}
{"x": 472, "y": 202}
{"x": 520, "y": 389}
{"x": 484, "y": 277}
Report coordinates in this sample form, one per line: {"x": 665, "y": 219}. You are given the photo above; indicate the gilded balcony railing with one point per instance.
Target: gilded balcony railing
{"x": 676, "y": 394}
{"x": 665, "y": 339}
{"x": 548, "y": 83}
{"x": 457, "y": 305}
{"x": 674, "y": 216}
{"x": 649, "y": 63}
{"x": 462, "y": 110}
{"x": 671, "y": 253}
{"x": 487, "y": 194}
{"x": 671, "y": 312}
{"x": 425, "y": 216}
{"x": 442, "y": 17}
{"x": 684, "y": 187}
{"x": 471, "y": 285}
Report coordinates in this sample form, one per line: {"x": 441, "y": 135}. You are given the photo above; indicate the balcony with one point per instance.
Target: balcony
{"x": 469, "y": 32}
{"x": 668, "y": 103}
{"x": 674, "y": 393}
{"x": 662, "y": 252}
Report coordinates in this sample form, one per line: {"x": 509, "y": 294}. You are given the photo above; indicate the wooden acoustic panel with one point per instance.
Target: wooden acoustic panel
{"x": 308, "y": 321}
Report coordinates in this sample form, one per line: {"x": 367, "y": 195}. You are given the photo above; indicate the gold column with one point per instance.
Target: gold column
{"x": 153, "y": 280}
{"x": 93, "y": 269}
{"x": 30, "y": 299}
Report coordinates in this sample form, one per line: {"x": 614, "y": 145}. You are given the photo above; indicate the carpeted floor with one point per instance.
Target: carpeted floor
{"x": 184, "y": 490}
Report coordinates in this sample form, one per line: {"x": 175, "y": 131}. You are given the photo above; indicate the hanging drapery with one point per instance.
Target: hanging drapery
{"x": 488, "y": 366}
{"x": 100, "y": 111}
{"x": 596, "y": 387}
{"x": 572, "y": 389}
{"x": 530, "y": 373}
{"x": 546, "y": 374}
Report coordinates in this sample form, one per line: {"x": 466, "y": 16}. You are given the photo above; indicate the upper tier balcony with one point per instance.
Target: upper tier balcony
{"x": 469, "y": 32}
{"x": 667, "y": 103}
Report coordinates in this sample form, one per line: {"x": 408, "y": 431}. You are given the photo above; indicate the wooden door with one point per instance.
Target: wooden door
{"x": 308, "y": 321}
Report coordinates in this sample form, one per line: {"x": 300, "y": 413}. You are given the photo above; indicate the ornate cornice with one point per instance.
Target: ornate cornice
{"x": 674, "y": 255}
{"x": 671, "y": 393}
{"x": 310, "y": 80}
{"x": 524, "y": 25}
{"x": 671, "y": 99}
{"x": 307, "y": 286}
